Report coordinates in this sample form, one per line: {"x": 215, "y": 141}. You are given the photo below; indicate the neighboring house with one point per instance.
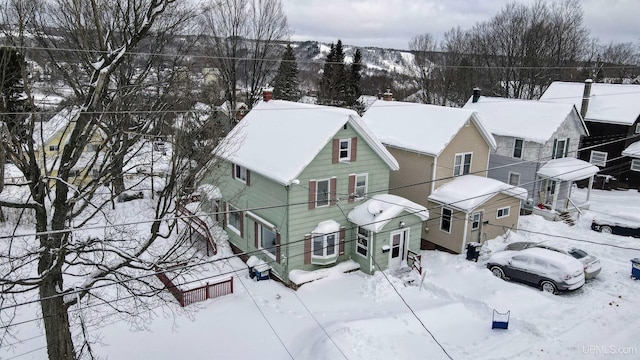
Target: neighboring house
{"x": 611, "y": 113}
{"x": 530, "y": 134}
{"x": 291, "y": 176}
{"x": 436, "y": 147}
{"x": 633, "y": 151}
{"x": 50, "y": 137}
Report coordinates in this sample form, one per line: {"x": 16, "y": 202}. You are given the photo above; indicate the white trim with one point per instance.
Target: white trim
{"x": 235, "y": 173}
{"x": 348, "y": 150}
{"x": 228, "y": 215}
{"x": 635, "y": 164}
{"x": 598, "y": 162}
{"x": 328, "y": 180}
{"x": 254, "y": 216}
{"x": 264, "y": 250}
{"x": 637, "y": 128}
{"x": 507, "y": 208}
{"x": 462, "y": 158}
{"x": 515, "y": 141}
{"x": 366, "y": 186}
{"x": 404, "y": 245}
{"x": 509, "y": 178}
{"x": 367, "y": 238}
{"x": 442, "y": 218}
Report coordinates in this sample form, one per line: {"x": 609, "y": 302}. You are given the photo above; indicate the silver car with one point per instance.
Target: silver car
{"x": 591, "y": 264}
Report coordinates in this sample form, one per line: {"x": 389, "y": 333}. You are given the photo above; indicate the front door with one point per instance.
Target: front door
{"x": 476, "y": 226}
{"x": 398, "y": 253}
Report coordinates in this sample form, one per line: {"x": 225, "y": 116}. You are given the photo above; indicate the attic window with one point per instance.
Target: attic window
{"x": 345, "y": 150}
{"x": 518, "y": 145}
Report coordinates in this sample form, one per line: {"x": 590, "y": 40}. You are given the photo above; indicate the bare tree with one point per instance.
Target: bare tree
{"x": 245, "y": 38}
{"x": 88, "y": 44}
{"x": 423, "y": 48}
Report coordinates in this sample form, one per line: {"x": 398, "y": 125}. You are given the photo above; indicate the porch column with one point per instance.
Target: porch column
{"x": 555, "y": 195}
{"x": 589, "y": 188}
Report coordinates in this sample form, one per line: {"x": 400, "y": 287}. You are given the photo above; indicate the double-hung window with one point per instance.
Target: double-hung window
{"x": 322, "y": 192}
{"x": 518, "y": 145}
{"x": 267, "y": 239}
{"x": 462, "y": 164}
{"x": 344, "y": 150}
{"x": 445, "y": 219}
{"x": 560, "y": 148}
{"x": 635, "y": 165}
{"x": 54, "y": 147}
{"x": 514, "y": 179}
{"x": 361, "y": 186}
{"x": 234, "y": 219}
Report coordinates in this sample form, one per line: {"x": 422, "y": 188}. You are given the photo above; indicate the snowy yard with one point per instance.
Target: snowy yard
{"x": 356, "y": 316}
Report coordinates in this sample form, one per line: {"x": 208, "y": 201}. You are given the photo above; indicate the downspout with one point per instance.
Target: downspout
{"x": 286, "y": 258}
{"x": 434, "y": 166}
{"x": 373, "y": 253}
{"x": 466, "y": 227}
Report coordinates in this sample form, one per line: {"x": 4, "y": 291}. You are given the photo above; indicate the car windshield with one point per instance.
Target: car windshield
{"x": 577, "y": 253}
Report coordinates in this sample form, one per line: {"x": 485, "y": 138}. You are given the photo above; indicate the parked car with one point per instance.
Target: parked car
{"x": 624, "y": 224}
{"x": 591, "y": 264}
{"x": 129, "y": 195}
{"x": 550, "y": 270}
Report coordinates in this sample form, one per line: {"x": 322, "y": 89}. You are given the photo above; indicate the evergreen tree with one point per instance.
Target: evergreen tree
{"x": 333, "y": 84}
{"x": 355, "y": 76}
{"x": 285, "y": 83}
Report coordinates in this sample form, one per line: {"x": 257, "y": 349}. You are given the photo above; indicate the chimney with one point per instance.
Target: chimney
{"x": 476, "y": 94}
{"x": 379, "y": 95}
{"x": 388, "y": 95}
{"x": 267, "y": 94}
{"x": 585, "y": 97}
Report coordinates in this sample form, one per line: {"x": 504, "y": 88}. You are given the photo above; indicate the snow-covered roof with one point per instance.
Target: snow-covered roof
{"x": 426, "y": 129}
{"x": 609, "y": 103}
{"x": 530, "y": 120}
{"x": 225, "y": 107}
{"x": 568, "y": 169}
{"x": 470, "y": 191}
{"x": 51, "y": 127}
{"x": 632, "y": 150}
{"x": 210, "y": 192}
{"x": 279, "y": 138}
{"x": 376, "y": 212}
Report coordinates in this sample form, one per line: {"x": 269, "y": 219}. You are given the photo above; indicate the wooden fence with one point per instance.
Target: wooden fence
{"x": 208, "y": 291}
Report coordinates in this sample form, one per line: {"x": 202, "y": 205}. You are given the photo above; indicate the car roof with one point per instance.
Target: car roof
{"x": 553, "y": 256}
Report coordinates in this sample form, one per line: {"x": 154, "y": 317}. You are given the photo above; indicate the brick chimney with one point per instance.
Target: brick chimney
{"x": 476, "y": 94}
{"x": 585, "y": 97}
{"x": 388, "y": 95}
{"x": 267, "y": 94}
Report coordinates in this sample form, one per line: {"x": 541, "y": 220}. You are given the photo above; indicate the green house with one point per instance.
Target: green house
{"x": 290, "y": 175}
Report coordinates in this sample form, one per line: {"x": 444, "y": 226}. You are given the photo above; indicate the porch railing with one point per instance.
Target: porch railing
{"x": 415, "y": 261}
{"x": 202, "y": 293}
{"x": 197, "y": 225}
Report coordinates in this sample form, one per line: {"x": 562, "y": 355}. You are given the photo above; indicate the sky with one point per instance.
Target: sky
{"x": 392, "y": 23}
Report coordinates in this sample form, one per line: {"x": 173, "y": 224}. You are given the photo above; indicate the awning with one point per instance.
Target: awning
{"x": 376, "y": 212}
{"x": 568, "y": 169}
{"x": 632, "y": 150}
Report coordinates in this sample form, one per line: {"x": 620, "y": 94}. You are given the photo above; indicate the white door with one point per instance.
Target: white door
{"x": 476, "y": 226}
{"x": 398, "y": 252}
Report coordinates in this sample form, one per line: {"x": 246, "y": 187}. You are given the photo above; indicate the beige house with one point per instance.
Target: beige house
{"x": 445, "y": 151}
{"x": 51, "y": 136}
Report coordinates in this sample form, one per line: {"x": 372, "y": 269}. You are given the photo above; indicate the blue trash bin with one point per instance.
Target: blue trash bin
{"x": 635, "y": 268}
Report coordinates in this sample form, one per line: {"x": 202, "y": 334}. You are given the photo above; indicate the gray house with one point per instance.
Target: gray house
{"x": 295, "y": 180}
{"x": 530, "y": 135}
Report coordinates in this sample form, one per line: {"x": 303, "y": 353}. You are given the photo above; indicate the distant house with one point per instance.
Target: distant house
{"x": 50, "y": 138}
{"x": 633, "y": 151}
{"x": 612, "y": 115}
{"x": 529, "y": 135}
{"x": 296, "y": 183}
{"x": 443, "y": 155}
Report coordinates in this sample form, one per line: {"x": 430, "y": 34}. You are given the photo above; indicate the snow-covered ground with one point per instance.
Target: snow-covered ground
{"x": 356, "y": 316}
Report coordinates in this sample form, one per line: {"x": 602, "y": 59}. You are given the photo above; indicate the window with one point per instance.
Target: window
{"x": 518, "y": 145}
{"x": 462, "y": 164}
{"x": 475, "y": 220}
{"x": 560, "y": 148}
{"x": 502, "y": 212}
{"x": 514, "y": 179}
{"x": 95, "y": 173}
{"x": 234, "y": 219}
{"x": 267, "y": 239}
{"x": 360, "y": 191}
{"x": 362, "y": 245}
{"x": 324, "y": 245}
{"x": 638, "y": 128}
{"x": 322, "y": 193}
{"x": 240, "y": 173}
{"x": 74, "y": 173}
{"x": 445, "y": 220}
{"x": 598, "y": 158}
{"x": 345, "y": 150}
{"x": 54, "y": 147}
{"x": 635, "y": 164}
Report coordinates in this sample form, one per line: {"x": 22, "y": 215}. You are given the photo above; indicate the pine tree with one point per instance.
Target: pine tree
{"x": 285, "y": 84}
{"x": 333, "y": 84}
{"x": 355, "y": 76}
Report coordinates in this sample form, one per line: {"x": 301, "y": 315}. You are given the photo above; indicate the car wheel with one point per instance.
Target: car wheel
{"x": 605, "y": 229}
{"x": 498, "y": 272}
{"x": 548, "y": 286}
